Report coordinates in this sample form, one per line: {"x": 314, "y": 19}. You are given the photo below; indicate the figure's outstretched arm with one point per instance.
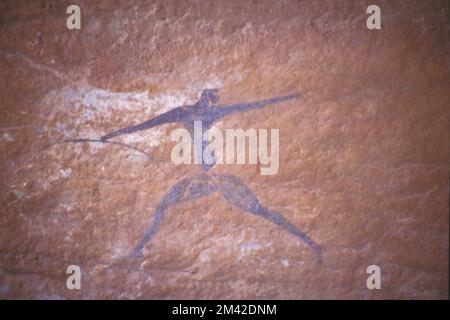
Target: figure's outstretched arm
{"x": 221, "y": 111}
{"x": 174, "y": 115}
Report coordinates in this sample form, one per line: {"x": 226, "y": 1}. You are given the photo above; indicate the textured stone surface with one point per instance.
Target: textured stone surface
{"x": 363, "y": 161}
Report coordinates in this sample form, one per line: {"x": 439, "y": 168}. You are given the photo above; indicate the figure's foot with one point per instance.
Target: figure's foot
{"x": 136, "y": 254}
{"x": 318, "y": 251}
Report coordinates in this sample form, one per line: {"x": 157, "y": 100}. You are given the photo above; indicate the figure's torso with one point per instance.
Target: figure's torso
{"x": 198, "y": 121}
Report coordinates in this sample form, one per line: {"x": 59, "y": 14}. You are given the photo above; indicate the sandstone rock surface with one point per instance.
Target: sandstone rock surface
{"x": 363, "y": 160}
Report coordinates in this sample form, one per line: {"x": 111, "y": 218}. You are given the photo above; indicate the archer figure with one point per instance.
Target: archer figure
{"x": 231, "y": 188}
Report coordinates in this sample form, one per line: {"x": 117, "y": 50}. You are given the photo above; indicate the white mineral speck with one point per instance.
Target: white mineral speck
{"x": 66, "y": 172}
{"x": 7, "y": 137}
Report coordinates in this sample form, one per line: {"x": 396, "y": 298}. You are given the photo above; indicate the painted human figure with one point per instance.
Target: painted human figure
{"x": 230, "y": 187}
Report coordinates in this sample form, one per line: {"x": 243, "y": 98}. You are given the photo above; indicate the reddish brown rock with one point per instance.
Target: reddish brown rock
{"x": 363, "y": 160}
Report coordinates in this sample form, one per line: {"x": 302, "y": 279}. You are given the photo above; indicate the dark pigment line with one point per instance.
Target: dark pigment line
{"x": 99, "y": 141}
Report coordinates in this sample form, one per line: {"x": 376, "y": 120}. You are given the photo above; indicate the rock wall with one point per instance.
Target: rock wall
{"x": 363, "y": 158}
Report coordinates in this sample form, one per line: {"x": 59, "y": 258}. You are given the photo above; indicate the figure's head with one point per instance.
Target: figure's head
{"x": 210, "y": 95}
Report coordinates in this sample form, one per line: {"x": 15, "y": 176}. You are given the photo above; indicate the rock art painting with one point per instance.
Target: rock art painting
{"x": 320, "y": 173}
{"x": 232, "y": 189}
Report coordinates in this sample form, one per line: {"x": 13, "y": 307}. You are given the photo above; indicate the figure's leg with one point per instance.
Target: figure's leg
{"x": 174, "y": 195}
{"x": 242, "y": 197}
{"x": 185, "y": 190}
